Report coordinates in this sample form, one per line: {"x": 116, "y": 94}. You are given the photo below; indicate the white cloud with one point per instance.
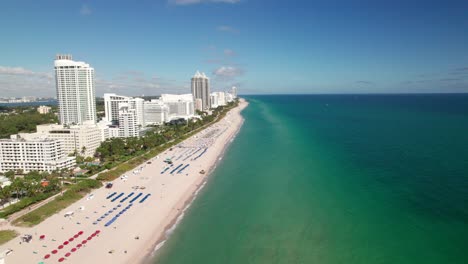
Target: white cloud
{"x": 85, "y": 10}
{"x": 229, "y": 52}
{"x": 192, "y": 2}
{"x": 224, "y": 28}
{"x": 228, "y": 72}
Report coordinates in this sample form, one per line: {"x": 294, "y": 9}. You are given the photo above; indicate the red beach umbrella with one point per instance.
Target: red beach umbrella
{"x": 54, "y": 251}
{"x": 47, "y": 256}
{"x": 93, "y": 235}
{"x": 68, "y": 254}
{"x": 80, "y": 233}
{"x": 78, "y": 246}
{"x": 60, "y": 247}
{"x": 98, "y": 231}
{"x": 71, "y": 239}
{"x": 90, "y": 237}
{"x": 84, "y": 242}
{"x": 42, "y": 237}
{"x": 75, "y": 236}
{"x": 73, "y": 250}
{"x": 61, "y": 259}
{"x": 65, "y": 243}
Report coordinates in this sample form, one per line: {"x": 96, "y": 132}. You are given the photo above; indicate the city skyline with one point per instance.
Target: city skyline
{"x": 153, "y": 47}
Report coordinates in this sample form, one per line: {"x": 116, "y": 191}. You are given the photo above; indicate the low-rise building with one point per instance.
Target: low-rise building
{"x": 81, "y": 139}
{"x": 43, "y": 109}
{"x": 33, "y": 154}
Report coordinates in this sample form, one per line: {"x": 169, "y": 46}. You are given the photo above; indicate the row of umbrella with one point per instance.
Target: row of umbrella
{"x": 78, "y": 246}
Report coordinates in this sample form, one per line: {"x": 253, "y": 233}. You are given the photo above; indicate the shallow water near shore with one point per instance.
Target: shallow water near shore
{"x": 335, "y": 179}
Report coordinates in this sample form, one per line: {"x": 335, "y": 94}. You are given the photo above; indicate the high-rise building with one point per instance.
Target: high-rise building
{"x": 127, "y": 121}
{"x": 201, "y": 89}
{"x": 75, "y": 90}
{"x": 112, "y": 107}
{"x": 234, "y": 92}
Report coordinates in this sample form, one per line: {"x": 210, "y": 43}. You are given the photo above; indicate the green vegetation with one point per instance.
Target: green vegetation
{"x": 73, "y": 194}
{"x": 7, "y": 235}
{"x": 29, "y": 189}
{"x": 22, "y": 119}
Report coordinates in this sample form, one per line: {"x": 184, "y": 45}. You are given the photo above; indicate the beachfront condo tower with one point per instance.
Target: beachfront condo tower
{"x": 75, "y": 90}
{"x": 201, "y": 89}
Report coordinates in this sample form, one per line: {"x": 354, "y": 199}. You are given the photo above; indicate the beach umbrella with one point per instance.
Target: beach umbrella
{"x": 54, "y": 251}
{"x": 80, "y": 233}
{"x": 47, "y": 256}
{"x": 98, "y": 231}
{"x": 78, "y": 246}
{"x": 75, "y": 236}
{"x": 42, "y": 237}
{"x": 68, "y": 254}
{"x": 93, "y": 235}
{"x": 71, "y": 239}
{"x": 90, "y": 237}
{"x": 84, "y": 242}
{"x": 61, "y": 259}
{"x": 65, "y": 243}
{"x": 60, "y": 247}
{"x": 73, "y": 250}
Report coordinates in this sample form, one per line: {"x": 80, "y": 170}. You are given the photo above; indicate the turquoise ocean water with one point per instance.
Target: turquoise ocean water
{"x": 336, "y": 179}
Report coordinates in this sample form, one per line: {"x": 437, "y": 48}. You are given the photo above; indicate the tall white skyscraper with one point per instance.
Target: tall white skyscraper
{"x": 75, "y": 90}
{"x": 234, "y": 91}
{"x": 201, "y": 89}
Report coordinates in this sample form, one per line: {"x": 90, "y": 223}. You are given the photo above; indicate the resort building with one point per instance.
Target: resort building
{"x": 35, "y": 154}
{"x": 43, "y": 109}
{"x": 80, "y": 139}
{"x": 128, "y": 126}
{"x": 179, "y": 105}
{"x": 201, "y": 89}
{"x": 156, "y": 112}
{"x": 112, "y": 107}
{"x": 75, "y": 91}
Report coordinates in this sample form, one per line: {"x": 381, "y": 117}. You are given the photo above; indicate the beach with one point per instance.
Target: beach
{"x": 124, "y": 223}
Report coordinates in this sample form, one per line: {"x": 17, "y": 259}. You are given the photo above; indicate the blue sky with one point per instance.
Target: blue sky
{"x": 153, "y": 47}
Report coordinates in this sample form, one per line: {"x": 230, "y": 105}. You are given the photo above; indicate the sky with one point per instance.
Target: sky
{"x": 260, "y": 46}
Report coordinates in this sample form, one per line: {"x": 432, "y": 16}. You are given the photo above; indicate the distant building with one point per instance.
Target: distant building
{"x": 75, "y": 91}
{"x": 35, "y": 154}
{"x": 234, "y": 92}
{"x": 43, "y": 109}
{"x": 180, "y": 106}
{"x": 156, "y": 112}
{"x": 198, "y": 104}
{"x": 201, "y": 89}
{"x": 128, "y": 126}
{"x": 214, "y": 100}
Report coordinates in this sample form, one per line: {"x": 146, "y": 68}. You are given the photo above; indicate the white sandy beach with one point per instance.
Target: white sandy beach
{"x": 136, "y": 231}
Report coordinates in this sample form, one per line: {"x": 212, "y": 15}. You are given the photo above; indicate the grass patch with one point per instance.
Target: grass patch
{"x": 7, "y": 235}
{"x": 23, "y": 203}
{"x": 73, "y": 194}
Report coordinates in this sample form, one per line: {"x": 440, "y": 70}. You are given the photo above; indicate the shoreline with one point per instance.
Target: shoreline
{"x": 172, "y": 225}
{"x": 137, "y": 235}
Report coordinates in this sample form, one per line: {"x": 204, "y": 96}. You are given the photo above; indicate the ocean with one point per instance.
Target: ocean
{"x": 335, "y": 179}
